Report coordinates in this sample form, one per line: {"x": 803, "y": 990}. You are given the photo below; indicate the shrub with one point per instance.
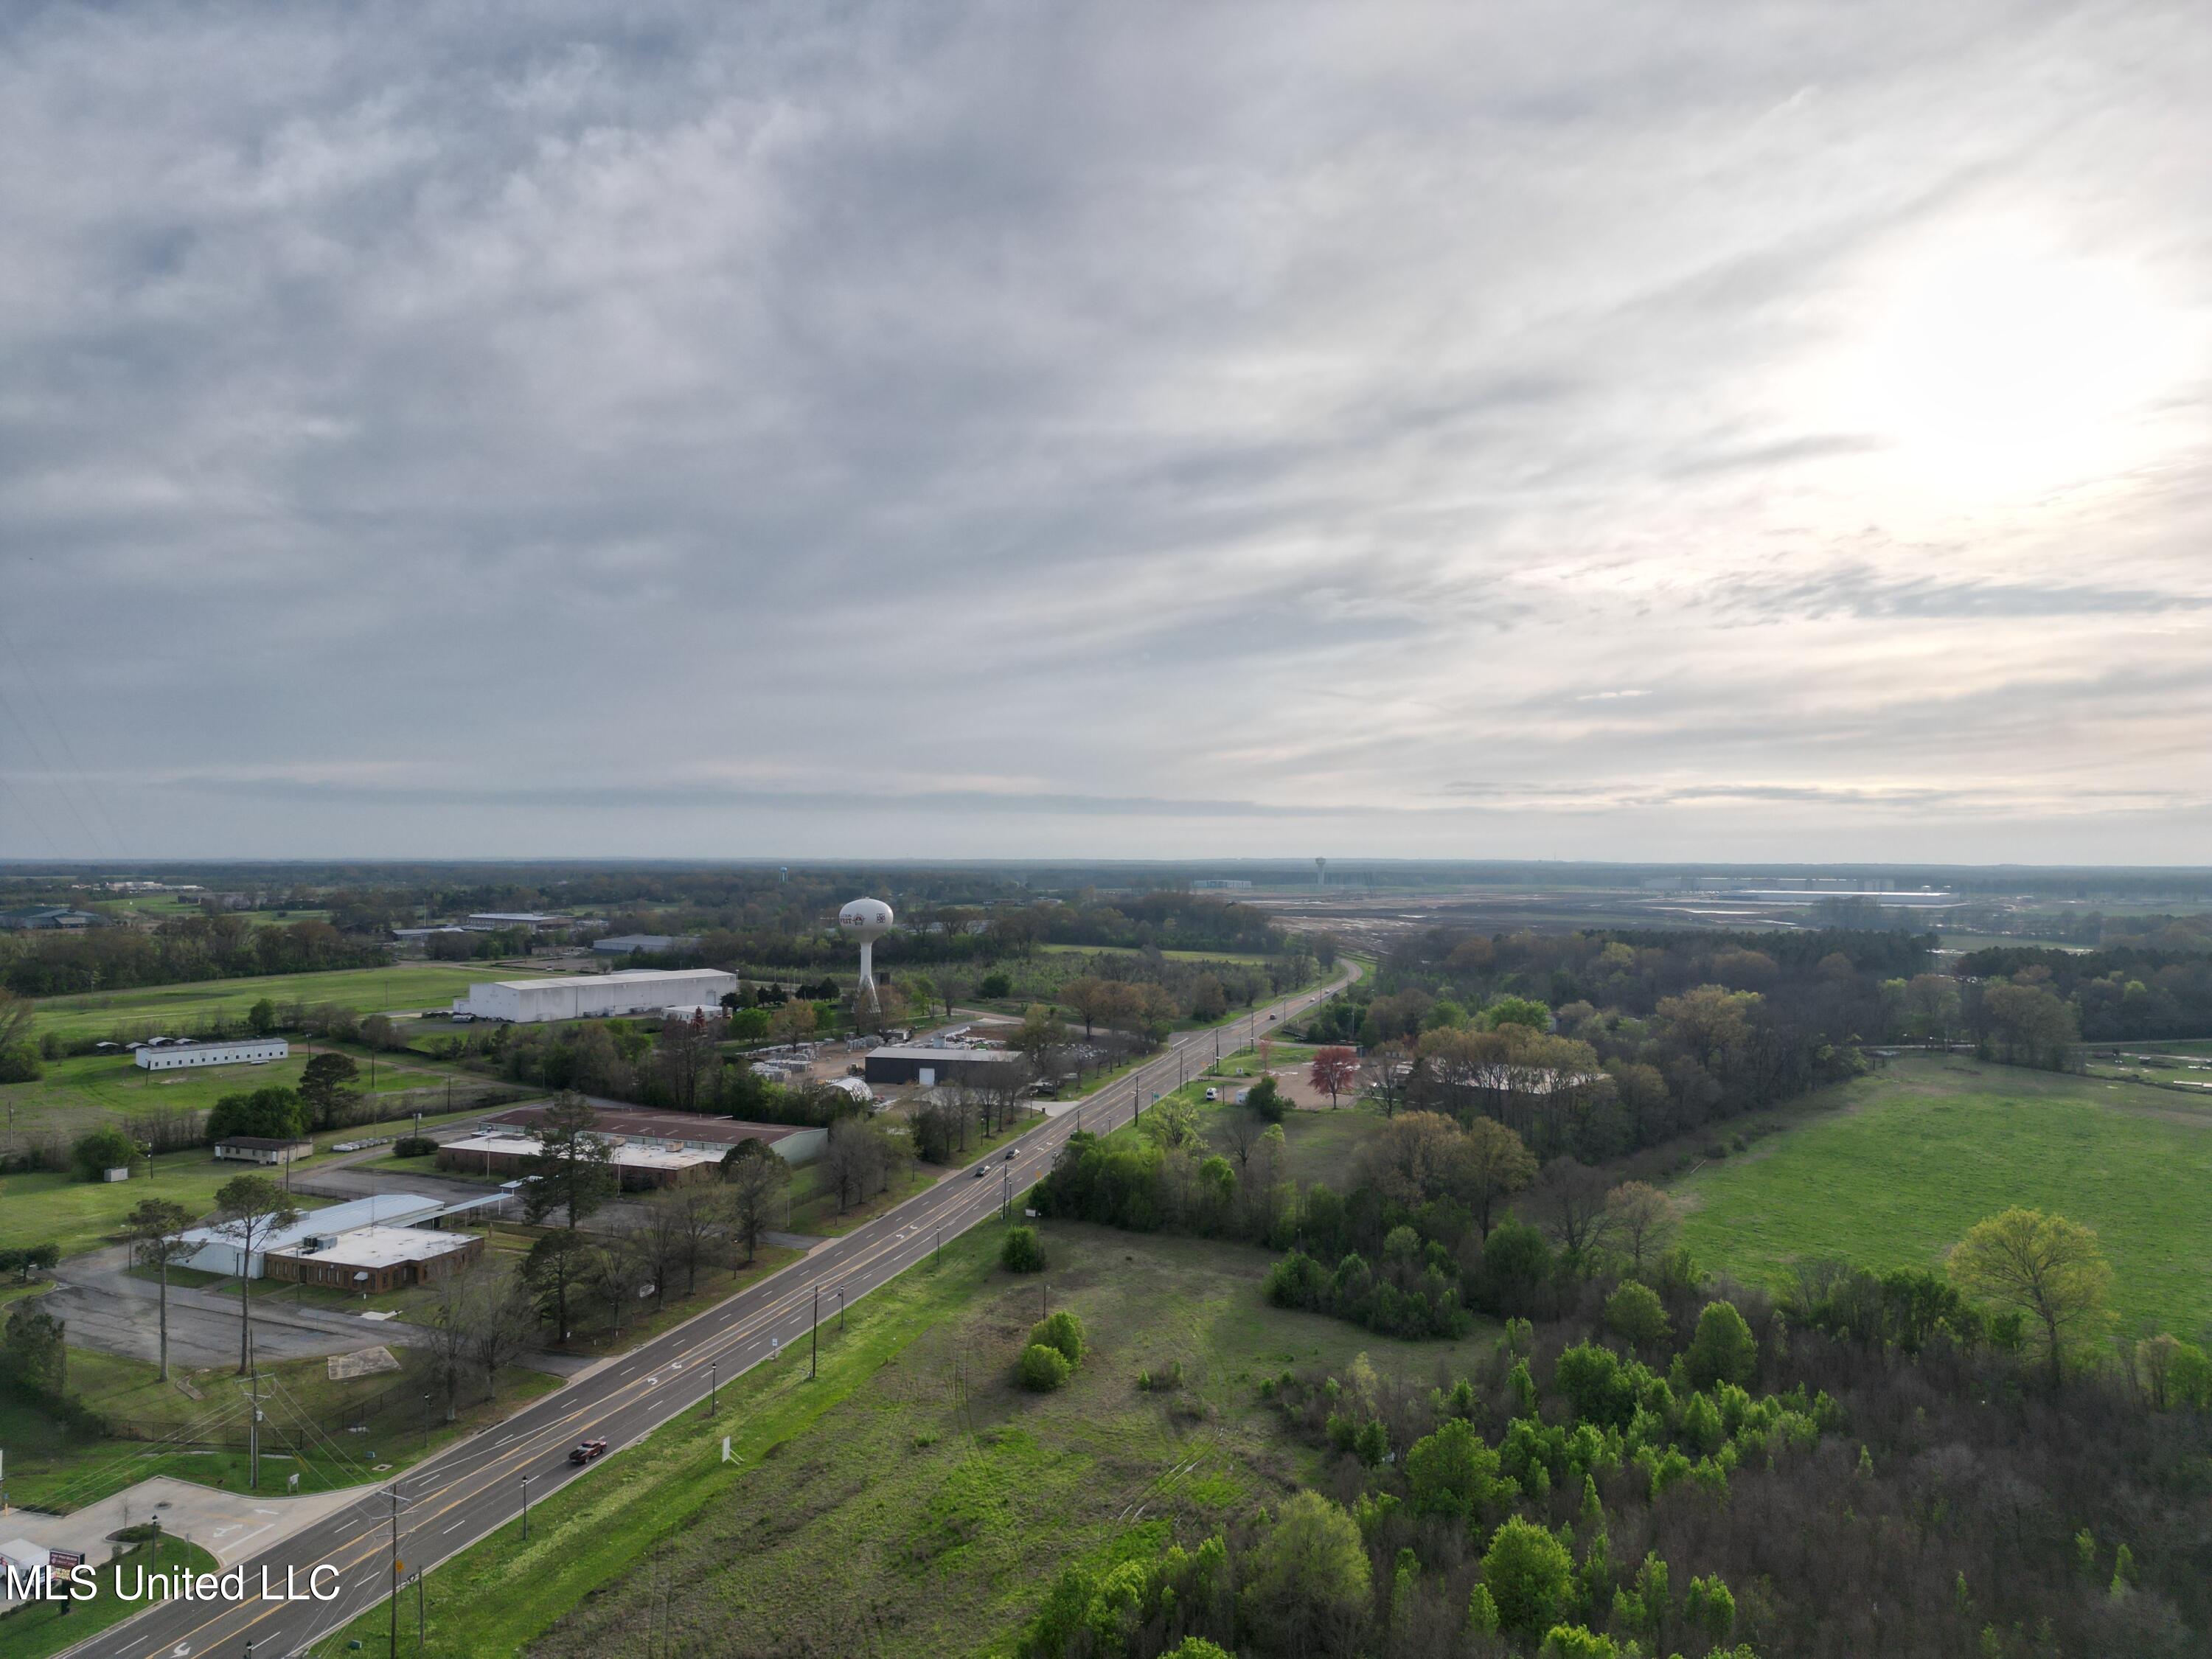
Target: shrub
{"x": 104, "y": 1149}
{"x": 1265, "y": 1098}
{"x": 995, "y": 984}
{"x": 1041, "y": 1369}
{"x": 413, "y": 1146}
{"x": 1021, "y": 1253}
{"x": 1062, "y": 1331}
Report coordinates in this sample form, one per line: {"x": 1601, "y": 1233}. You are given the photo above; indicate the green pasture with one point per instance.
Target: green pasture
{"x": 912, "y": 1501}
{"x": 79, "y": 1093}
{"x": 158, "y": 1009}
{"x": 1906, "y": 1162}
{"x": 84, "y": 1215}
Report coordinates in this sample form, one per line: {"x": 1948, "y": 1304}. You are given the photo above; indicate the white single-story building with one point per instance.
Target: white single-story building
{"x": 176, "y": 1056}
{"x": 219, "y": 1249}
{"x": 596, "y": 996}
{"x": 263, "y": 1149}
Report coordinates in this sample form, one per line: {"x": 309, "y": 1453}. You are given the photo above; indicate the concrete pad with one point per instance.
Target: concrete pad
{"x": 228, "y": 1525}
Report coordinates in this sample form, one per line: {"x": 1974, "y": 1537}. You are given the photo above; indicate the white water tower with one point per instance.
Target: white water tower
{"x": 1321, "y": 872}
{"x": 867, "y": 921}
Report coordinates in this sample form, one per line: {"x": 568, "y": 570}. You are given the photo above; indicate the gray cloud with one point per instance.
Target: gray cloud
{"x": 1145, "y": 428}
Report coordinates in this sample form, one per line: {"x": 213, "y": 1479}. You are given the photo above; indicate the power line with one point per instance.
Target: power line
{"x": 61, "y": 735}
{"x": 68, "y": 799}
{"x": 44, "y": 833}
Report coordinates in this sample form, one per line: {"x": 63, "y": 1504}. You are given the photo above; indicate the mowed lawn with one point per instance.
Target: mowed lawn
{"x": 1917, "y": 1156}
{"x": 154, "y": 1010}
{"x": 915, "y": 1502}
{"x": 82, "y": 1215}
{"x": 78, "y": 1093}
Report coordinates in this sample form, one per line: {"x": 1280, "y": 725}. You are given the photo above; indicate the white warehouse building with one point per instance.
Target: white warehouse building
{"x": 176, "y": 1056}
{"x": 596, "y": 996}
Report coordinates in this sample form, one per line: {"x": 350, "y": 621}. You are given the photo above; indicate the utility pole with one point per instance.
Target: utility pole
{"x": 418, "y": 1609}
{"x": 253, "y": 1435}
{"x": 526, "y": 1508}
{"x": 714, "y": 1386}
{"x": 841, "y": 1310}
{"x": 395, "y": 1565}
{"x": 814, "y": 1359}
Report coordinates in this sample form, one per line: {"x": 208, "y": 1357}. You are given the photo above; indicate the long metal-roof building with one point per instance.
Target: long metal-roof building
{"x": 595, "y": 996}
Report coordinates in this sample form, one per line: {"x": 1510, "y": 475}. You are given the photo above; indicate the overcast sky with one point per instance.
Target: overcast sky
{"x": 1636, "y": 430}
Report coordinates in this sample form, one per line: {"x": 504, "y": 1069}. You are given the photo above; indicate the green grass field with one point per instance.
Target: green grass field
{"x": 82, "y": 1215}
{"x": 78, "y": 1093}
{"x": 913, "y": 1501}
{"x": 154, "y": 1010}
{"x": 1908, "y": 1160}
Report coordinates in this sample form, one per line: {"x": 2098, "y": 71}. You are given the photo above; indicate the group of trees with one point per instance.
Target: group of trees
{"x": 1878, "y": 1464}
{"x": 38, "y": 963}
{"x": 2125, "y": 994}
{"x": 676, "y": 1231}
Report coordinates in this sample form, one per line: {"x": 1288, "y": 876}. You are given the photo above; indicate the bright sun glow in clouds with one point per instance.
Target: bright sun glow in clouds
{"x": 2004, "y": 367}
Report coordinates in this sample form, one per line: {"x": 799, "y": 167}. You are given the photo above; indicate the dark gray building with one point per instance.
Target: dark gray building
{"x": 932, "y": 1065}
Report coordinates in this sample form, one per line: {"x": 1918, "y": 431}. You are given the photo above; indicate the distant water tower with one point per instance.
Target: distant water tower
{"x": 867, "y": 921}
{"x": 1321, "y": 872}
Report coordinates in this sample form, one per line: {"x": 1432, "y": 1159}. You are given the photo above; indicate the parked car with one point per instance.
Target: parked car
{"x": 586, "y": 1450}
{"x": 1213, "y": 1095}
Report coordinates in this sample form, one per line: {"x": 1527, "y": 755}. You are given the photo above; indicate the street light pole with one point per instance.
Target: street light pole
{"x": 714, "y": 1386}
{"x": 814, "y": 1359}
{"x": 526, "y": 1508}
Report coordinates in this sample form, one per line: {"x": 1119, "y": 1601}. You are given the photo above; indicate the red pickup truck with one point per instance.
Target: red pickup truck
{"x": 587, "y": 1451}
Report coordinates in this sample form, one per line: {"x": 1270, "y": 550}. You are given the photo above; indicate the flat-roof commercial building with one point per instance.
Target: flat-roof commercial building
{"x": 180, "y": 1056}
{"x": 636, "y": 1168}
{"x": 595, "y": 996}
{"x": 494, "y": 922}
{"x": 219, "y": 1248}
{"x": 647, "y": 1128}
{"x": 262, "y": 1149}
{"x": 375, "y": 1259}
{"x": 930, "y": 1066}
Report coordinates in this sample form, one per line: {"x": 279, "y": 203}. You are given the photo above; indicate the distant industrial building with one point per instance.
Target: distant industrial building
{"x": 46, "y": 915}
{"x": 220, "y": 1248}
{"x": 374, "y": 1260}
{"x": 930, "y": 1066}
{"x": 641, "y": 944}
{"x": 163, "y": 1055}
{"x": 596, "y": 996}
{"x": 494, "y": 922}
{"x": 416, "y": 935}
{"x": 262, "y": 1149}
